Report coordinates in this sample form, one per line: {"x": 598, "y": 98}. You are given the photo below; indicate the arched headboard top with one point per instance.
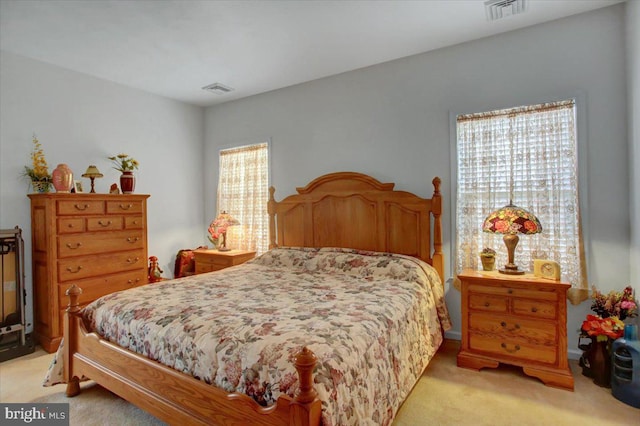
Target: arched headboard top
{"x": 354, "y": 210}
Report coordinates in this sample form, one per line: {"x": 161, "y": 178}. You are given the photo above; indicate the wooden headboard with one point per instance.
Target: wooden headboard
{"x": 353, "y": 210}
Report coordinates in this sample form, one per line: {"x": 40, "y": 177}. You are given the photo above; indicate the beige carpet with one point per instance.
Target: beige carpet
{"x": 445, "y": 395}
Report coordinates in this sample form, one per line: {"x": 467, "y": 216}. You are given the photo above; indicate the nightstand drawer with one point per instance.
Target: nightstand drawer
{"x": 528, "y": 330}
{"x": 515, "y": 291}
{"x": 534, "y": 308}
{"x": 506, "y": 347}
{"x": 481, "y": 302}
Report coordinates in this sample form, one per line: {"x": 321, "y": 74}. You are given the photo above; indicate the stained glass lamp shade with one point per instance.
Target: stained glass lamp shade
{"x": 511, "y": 220}
{"x": 219, "y": 227}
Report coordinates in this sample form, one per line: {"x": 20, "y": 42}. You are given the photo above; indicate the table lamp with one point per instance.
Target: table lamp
{"x": 92, "y": 173}
{"x": 511, "y": 220}
{"x": 219, "y": 227}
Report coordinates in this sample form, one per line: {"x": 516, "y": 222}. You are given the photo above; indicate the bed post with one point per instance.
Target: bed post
{"x": 271, "y": 209}
{"x": 436, "y": 208}
{"x": 306, "y": 407}
{"x": 71, "y": 339}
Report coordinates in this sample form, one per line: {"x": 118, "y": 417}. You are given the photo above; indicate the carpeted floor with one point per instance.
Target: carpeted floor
{"x": 445, "y": 395}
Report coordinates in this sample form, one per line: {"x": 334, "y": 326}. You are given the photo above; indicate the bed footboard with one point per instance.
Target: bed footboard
{"x": 175, "y": 397}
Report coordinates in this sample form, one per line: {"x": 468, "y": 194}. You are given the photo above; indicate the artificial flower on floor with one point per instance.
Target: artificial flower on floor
{"x": 602, "y": 329}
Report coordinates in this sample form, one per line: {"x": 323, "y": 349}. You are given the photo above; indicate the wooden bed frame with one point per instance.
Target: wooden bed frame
{"x": 343, "y": 209}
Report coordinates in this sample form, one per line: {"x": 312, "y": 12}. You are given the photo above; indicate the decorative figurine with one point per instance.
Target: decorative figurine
{"x": 155, "y": 273}
{"x": 114, "y": 189}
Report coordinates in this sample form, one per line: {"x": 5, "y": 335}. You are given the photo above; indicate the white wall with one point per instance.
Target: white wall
{"x": 80, "y": 120}
{"x": 633, "y": 93}
{"x": 392, "y": 121}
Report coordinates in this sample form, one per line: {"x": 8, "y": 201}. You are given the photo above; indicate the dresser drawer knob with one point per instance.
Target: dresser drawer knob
{"x": 133, "y": 240}
{"x": 133, "y": 282}
{"x": 74, "y": 247}
{"x": 72, "y": 271}
{"x": 129, "y": 260}
{"x": 126, "y": 206}
{"x": 81, "y": 206}
{"x": 516, "y": 348}
{"x": 534, "y": 309}
{"x": 487, "y": 304}
{"x": 510, "y": 291}
{"x": 104, "y": 224}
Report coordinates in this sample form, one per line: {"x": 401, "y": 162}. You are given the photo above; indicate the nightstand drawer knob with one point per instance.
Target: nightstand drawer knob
{"x": 510, "y": 291}
{"x": 129, "y": 260}
{"x": 487, "y": 304}
{"x": 515, "y": 349}
{"x": 132, "y": 240}
{"x": 515, "y": 327}
{"x": 534, "y": 309}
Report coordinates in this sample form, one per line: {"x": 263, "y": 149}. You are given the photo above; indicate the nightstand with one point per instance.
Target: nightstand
{"x": 214, "y": 260}
{"x": 515, "y": 319}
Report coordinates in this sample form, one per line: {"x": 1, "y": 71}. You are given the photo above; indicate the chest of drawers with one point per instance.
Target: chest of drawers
{"x": 518, "y": 320}
{"x": 96, "y": 241}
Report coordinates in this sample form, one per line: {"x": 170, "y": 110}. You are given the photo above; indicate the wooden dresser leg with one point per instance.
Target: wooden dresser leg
{"x": 73, "y": 387}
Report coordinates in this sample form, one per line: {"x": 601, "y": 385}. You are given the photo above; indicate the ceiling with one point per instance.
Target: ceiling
{"x": 175, "y": 47}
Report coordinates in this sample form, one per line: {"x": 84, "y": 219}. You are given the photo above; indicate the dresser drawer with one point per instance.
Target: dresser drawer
{"x": 95, "y": 243}
{"x": 125, "y": 206}
{"x": 133, "y": 222}
{"x": 506, "y": 347}
{"x": 93, "y": 288}
{"x": 483, "y": 302}
{"x": 527, "y": 330}
{"x": 534, "y": 308}
{"x": 69, "y": 225}
{"x": 76, "y": 268}
{"x": 80, "y": 207}
{"x": 105, "y": 223}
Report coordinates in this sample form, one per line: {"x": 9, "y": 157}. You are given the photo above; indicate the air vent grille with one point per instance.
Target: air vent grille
{"x": 498, "y": 9}
{"x": 218, "y": 88}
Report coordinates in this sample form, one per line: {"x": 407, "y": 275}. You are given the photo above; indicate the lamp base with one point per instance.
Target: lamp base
{"x": 511, "y": 269}
{"x": 224, "y": 249}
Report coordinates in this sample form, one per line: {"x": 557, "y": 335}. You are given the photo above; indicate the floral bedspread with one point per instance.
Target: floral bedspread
{"x": 374, "y": 320}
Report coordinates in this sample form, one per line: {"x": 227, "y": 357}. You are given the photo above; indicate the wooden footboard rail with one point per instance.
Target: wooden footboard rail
{"x": 170, "y": 395}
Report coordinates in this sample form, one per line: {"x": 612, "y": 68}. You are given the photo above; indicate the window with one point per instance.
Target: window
{"x": 243, "y": 192}
{"x": 528, "y": 154}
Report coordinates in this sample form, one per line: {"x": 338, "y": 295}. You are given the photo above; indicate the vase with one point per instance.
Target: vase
{"x": 40, "y": 186}
{"x": 600, "y": 362}
{"x": 127, "y": 182}
{"x": 62, "y": 178}
{"x": 488, "y": 263}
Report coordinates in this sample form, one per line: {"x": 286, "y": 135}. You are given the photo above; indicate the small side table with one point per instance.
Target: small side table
{"x": 214, "y": 260}
{"x": 515, "y": 319}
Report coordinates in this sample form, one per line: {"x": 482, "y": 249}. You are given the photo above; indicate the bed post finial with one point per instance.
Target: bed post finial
{"x": 271, "y": 209}
{"x": 306, "y": 407}
{"x": 305, "y": 363}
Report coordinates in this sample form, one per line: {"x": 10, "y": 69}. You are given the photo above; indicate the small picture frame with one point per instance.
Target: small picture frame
{"x": 77, "y": 187}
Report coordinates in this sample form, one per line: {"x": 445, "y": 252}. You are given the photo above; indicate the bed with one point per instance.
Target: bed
{"x": 297, "y": 336}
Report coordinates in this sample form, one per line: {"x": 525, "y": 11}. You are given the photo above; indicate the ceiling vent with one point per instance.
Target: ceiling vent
{"x": 218, "y": 89}
{"x": 498, "y": 9}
